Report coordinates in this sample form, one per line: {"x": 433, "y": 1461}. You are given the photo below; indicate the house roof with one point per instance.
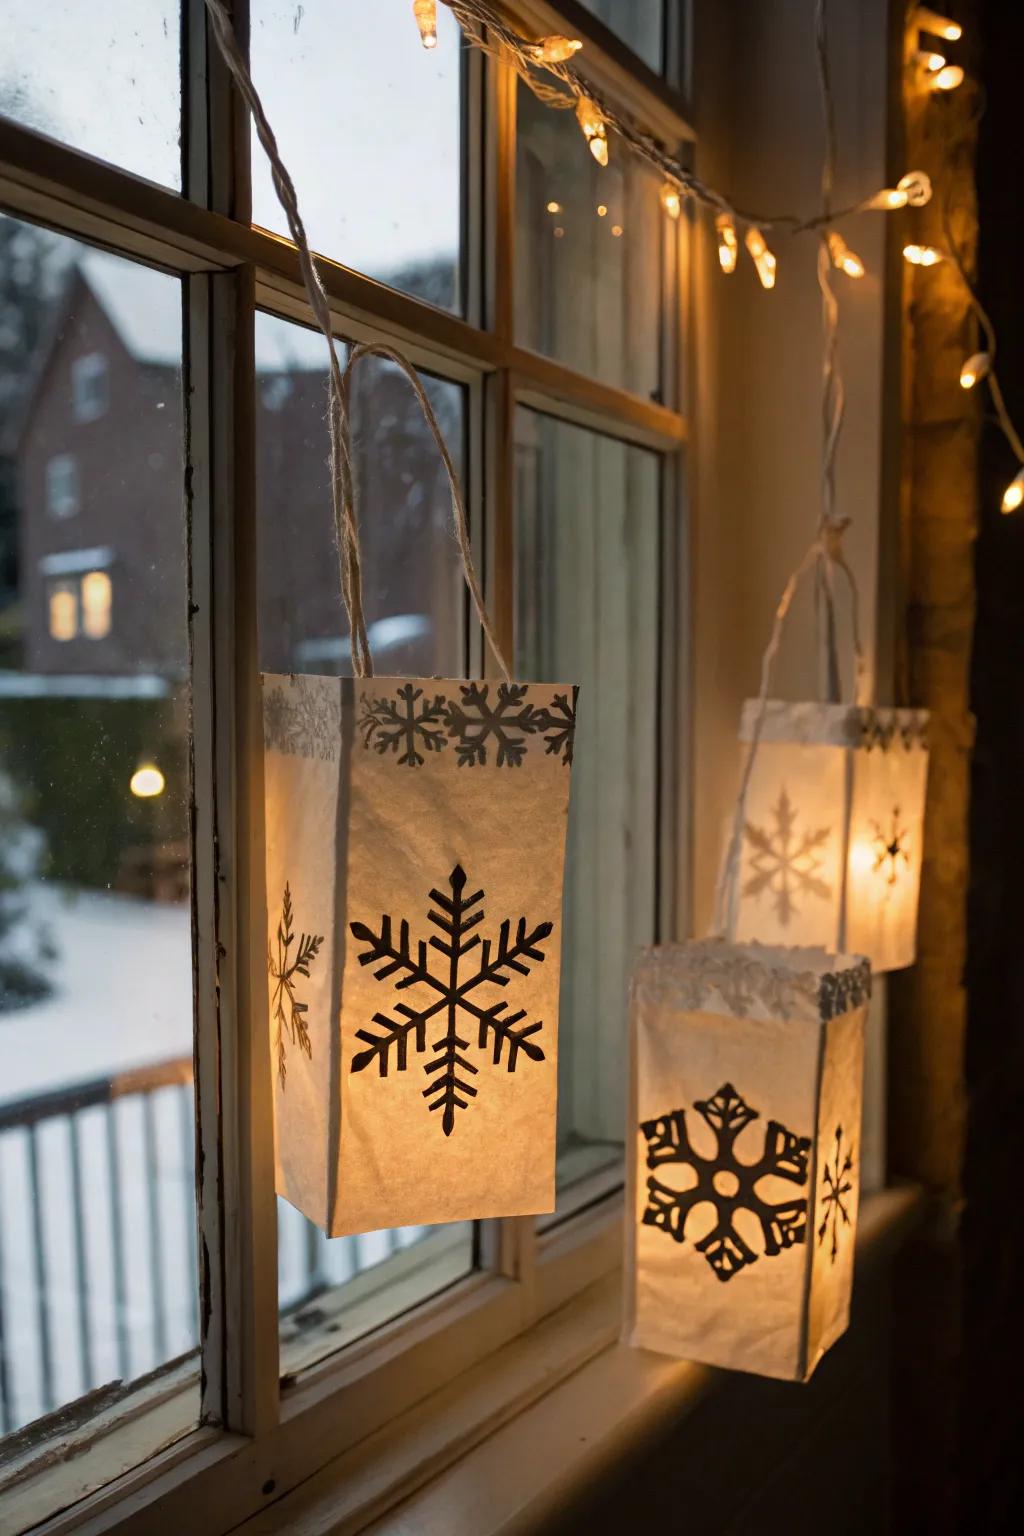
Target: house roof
{"x": 134, "y": 299}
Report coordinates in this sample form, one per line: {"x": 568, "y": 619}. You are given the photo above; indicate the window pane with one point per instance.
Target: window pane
{"x": 370, "y": 125}
{"x": 415, "y": 608}
{"x": 639, "y": 23}
{"x": 104, "y": 78}
{"x": 587, "y": 562}
{"x": 589, "y": 261}
{"x": 97, "y": 1207}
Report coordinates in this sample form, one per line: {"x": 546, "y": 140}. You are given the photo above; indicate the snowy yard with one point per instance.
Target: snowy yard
{"x": 103, "y": 1286}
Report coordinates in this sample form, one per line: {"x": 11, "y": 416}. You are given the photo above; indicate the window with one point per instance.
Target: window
{"x": 186, "y": 424}
{"x": 62, "y": 485}
{"x": 639, "y": 23}
{"x": 89, "y": 386}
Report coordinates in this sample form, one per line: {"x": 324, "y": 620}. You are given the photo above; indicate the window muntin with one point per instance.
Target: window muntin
{"x": 589, "y": 254}
{"x": 103, "y": 79}
{"x": 373, "y": 134}
{"x": 587, "y": 608}
{"x": 97, "y": 1207}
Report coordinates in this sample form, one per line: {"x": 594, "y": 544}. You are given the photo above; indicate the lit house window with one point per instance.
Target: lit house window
{"x": 97, "y": 592}
{"x": 63, "y": 606}
{"x": 90, "y": 391}
{"x": 62, "y": 485}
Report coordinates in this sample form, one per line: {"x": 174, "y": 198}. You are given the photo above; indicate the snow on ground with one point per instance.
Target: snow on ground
{"x": 122, "y": 997}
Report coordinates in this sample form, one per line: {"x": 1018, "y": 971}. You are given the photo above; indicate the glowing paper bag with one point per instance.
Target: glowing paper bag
{"x": 833, "y": 830}
{"x": 415, "y": 848}
{"x": 744, "y": 1173}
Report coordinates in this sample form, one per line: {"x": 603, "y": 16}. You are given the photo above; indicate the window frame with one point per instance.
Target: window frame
{"x": 258, "y": 1436}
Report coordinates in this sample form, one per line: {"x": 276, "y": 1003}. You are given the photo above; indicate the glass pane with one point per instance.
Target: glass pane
{"x": 104, "y": 78}
{"x": 97, "y": 1208}
{"x": 639, "y": 23}
{"x": 589, "y": 261}
{"x": 415, "y": 608}
{"x": 370, "y": 126}
{"x": 587, "y": 561}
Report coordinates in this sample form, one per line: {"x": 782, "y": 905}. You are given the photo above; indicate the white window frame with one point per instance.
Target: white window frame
{"x": 257, "y": 1439}
{"x": 90, "y": 387}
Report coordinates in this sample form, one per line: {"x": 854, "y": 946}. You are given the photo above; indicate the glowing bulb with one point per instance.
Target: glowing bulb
{"x": 559, "y": 231}
{"x": 671, "y": 200}
{"x": 728, "y": 248}
{"x": 616, "y": 230}
{"x": 917, "y": 186}
{"x": 842, "y": 257}
{"x": 602, "y": 209}
{"x": 975, "y": 368}
{"x": 425, "y": 12}
{"x": 1014, "y": 493}
{"x": 147, "y": 781}
{"x": 553, "y": 50}
{"x": 938, "y": 25}
{"x": 888, "y": 199}
{"x": 761, "y": 256}
{"x": 554, "y": 207}
{"x": 932, "y": 62}
{"x": 591, "y": 121}
{"x": 947, "y": 79}
{"x": 922, "y": 255}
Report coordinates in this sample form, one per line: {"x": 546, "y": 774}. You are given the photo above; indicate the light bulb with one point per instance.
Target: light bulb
{"x": 1014, "y": 493}
{"x": 975, "y": 368}
{"x": 616, "y": 230}
{"x": 937, "y": 24}
{"x": 728, "y": 247}
{"x": 947, "y": 79}
{"x": 554, "y": 49}
{"x": 888, "y": 199}
{"x": 147, "y": 781}
{"x": 932, "y": 62}
{"x": 425, "y": 12}
{"x": 842, "y": 257}
{"x": 918, "y": 188}
{"x": 554, "y": 207}
{"x": 591, "y": 121}
{"x": 671, "y": 200}
{"x": 602, "y": 210}
{"x": 922, "y": 255}
{"x": 761, "y": 256}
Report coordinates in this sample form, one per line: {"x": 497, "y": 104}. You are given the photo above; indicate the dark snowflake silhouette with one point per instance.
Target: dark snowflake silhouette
{"x": 453, "y": 996}
{"x": 404, "y": 725}
{"x": 507, "y": 721}
{"x": 890, "y": 848}
{"x": 836, "y": 1185}
{"x": 725, "y": 1182}
{"x": 288, "y": 1013}
{"x": 559, "y": 726}
{"x": 785, "y": 863}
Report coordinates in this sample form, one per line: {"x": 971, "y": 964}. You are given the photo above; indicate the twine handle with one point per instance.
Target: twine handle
{"x": 825, "y": 553}
{"x": 350, "y": 577}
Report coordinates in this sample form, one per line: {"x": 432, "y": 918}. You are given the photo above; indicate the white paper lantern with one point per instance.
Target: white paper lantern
{"x": 415, "y": 848}
{"x": 744, "y": 1159}
{"x": 830, "y": 853}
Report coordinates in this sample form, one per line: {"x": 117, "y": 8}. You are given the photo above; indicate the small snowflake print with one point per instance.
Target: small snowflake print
{"x": 286, "y": 1008}
{"x": 452, "y": 996}
{"x": 786, "y": 863}
{"x": 836, "y": 1189}
{"x": 725, "y": 1182}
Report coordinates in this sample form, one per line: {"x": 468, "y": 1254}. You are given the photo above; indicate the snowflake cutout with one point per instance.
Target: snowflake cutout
{"x": 560, "y": 723}
{"x": 890, "y": 848}
{"x": 453, "y": 996}
{"x": 507, "y": 721}
{"x": 725, "y": 1182}
{"x": 403, "y": 725}
{"x": 785, "y": 863}
{"x": 836, "y": 1184}
{"x": 288, "y": 1013}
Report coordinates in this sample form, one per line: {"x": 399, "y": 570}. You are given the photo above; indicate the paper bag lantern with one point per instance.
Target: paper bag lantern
{"x": 747, "y": 1070}
{"x": 415, "y": 846}
{"x": 834, "y": 821}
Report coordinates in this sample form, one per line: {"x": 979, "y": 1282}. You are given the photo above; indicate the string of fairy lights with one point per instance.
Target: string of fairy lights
{"x": 546, "y": 66}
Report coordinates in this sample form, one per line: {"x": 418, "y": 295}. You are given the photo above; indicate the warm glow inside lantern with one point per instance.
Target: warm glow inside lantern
{"x": 831, "y": 845}
{"x": 744, "y": 1158}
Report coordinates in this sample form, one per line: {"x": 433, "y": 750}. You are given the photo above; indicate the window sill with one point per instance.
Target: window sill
{"x": 565, "y": 1400}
